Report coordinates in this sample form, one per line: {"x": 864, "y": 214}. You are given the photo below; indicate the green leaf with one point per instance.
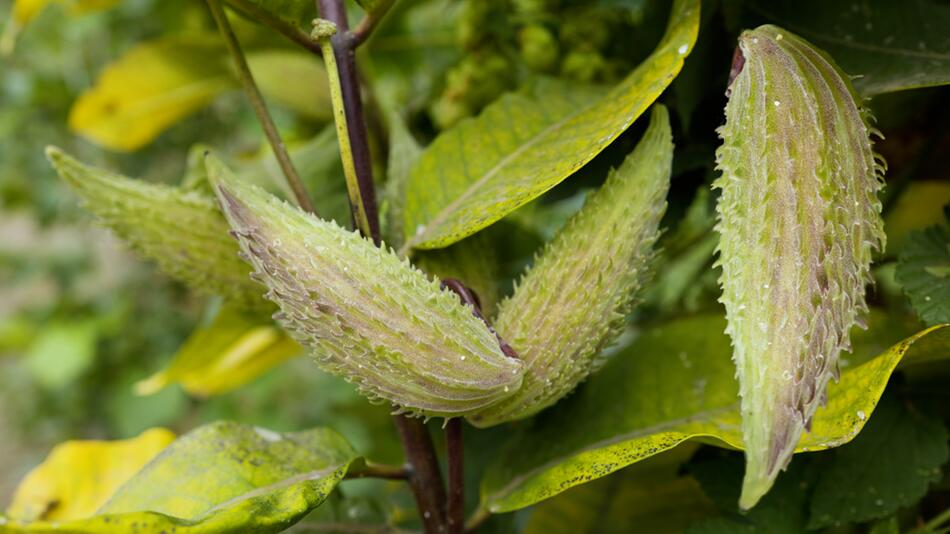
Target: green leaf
{"x": 781, "y": 511}
{"x": 78, "y": 477}
{"x": 891, "y": 45}
{"x": 234, "y": 349}
{"x": 222, "y": 477}
{"x": 62, "y": 351}
{"x": 404, "y": 150}
{"x": 888, "y": 466}
{"x": 574, "y": 301}
{"x": 149, "y": 88}
{"x": 675, "y": 383}
{"x": 183, "y": 231}
{"x": 524, "y": 144}
{"x": 366, "y": 314}
{"x": 924, "y": 273}
{"x": 919, "y": 206}
{"x": 309, "y": 92}
{"x": 650, "y": 495}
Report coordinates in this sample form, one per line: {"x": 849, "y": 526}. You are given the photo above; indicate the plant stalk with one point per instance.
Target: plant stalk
{"x": 425, "y": 478}
{"x": 348, "y": 106}
{"x": 455, "y": 454}
{"x": 260, "y": 108}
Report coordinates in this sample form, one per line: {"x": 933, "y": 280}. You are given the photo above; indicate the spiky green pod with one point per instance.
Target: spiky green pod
{"x": 367, "y": 315}
{"x": 573, "y": 302}
{"x": 181, "y": 230}
{"x": 799, "y": 219}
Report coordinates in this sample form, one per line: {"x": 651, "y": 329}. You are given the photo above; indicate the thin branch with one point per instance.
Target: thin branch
{"x": 372, "y": 19}
{"x": 374, "y": 470}
{"x": 455, "y": 455}
{"x": 260, "y": 108}
{"x": 288, "y": 30}
{"x": 351, "y": 126}
{"x": 425, "y": 478}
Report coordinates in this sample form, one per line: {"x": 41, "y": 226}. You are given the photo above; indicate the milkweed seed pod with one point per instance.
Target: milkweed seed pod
{"x": 798, "y": 221}
{"x": 181, "y": 230}
{"x": 367, "y": 315}
{"x": 573, "y": 302}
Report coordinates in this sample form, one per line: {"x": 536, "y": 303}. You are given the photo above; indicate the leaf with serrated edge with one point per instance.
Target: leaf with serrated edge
{"x": 521, "y": 146}
{"x": 574, "y": 300}
{"x": 676, "y": 383}
{"x": 183, "y": 231}
{"x": 367, "y": 315}
{"x": 799, "y": 219}
{"x": 924, "y": 273}
{"x": 893, "y": 461}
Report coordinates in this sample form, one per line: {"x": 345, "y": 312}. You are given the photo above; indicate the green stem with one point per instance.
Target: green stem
{"x": 357, "y": 205}
{"x": 260, "y": 108}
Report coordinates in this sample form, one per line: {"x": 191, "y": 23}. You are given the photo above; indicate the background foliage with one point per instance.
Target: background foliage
{"x": 87, "y": 330}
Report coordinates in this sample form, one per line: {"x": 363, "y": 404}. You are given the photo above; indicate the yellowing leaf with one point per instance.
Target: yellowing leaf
{"x": 222, "y": 477}
{"x": 149, "y": 88}
{"x": 233, "y": 350}
{"x": 297, "y": 80}
{"x": 78, "y": 477}
{"x": 523, "y": 145}
{"x": 626, "y": 412}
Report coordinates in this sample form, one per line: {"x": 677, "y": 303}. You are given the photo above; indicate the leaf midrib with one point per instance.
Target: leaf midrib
{"x": 452, "y": 206}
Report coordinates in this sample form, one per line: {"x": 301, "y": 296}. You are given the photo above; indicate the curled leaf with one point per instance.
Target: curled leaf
{"x": 183, "y": 231}
{"x": 572, "y": 303}
{"x": 799, "y": 219}
{"x": 367, "y": 315}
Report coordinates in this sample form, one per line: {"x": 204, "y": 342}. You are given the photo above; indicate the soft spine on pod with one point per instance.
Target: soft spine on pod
{"x": 366, "y": 315}
{"x": 799, "y": 219}
{"x": 183, "y": 231}
{"x": 573, "y": 302}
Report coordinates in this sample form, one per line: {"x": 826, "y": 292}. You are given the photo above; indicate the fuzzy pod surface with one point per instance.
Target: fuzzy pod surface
{"x": 798, "y": 219}
{"x": 366, "y": 315}
{"x": 181, "y": 230}
{"x": 573, "y": 302}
